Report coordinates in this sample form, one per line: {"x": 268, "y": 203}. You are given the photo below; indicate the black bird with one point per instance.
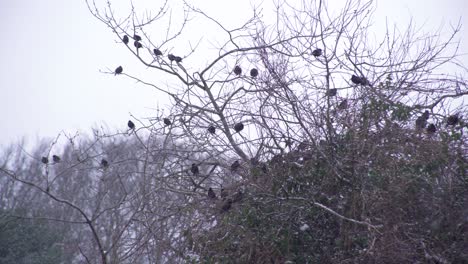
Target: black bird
{"x": 238, "y": 127}
{"x": 235, "y": 165}
{"x": 136, "y": 37}
{"x": 157, "y": 52}
{"x": 137, "y": 44}
{"x": 167, "y": 122}
{"x": 316, "y": 53}
{"x": 237, "y": 197}
{"x": 44, "y": 160}
{"x": 104, "y": 163}
{"x": 431, "y": 129}
{"x": 364, "y": 81}
{"x": 355, "y": 79}
{"x": 195, "y": 169}
{"x": 253, "y": 73}
{"x": 226, "y": 206}
{"x": 224, "y": 193}
{"x": 425, "y": 115}
{"x": 453, "y": 120}
{"x": 118, "y": 70}
{"x": 178, "y": 59}
{"x": 211, "y": 193}
{"x": 171, "y": 57}
{"x": 130, "y": 124}
{"x": 343, "y": 105}
{"x": 125, "y": 39}
{"x": 212, "y": 129}
{"x": 237, "y": 70}
{"x": 56, "y": 158}
{"x": 331, "y": 92}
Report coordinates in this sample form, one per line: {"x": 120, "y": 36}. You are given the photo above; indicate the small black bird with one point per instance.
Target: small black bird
{"x": 235, "y": 165}
{"x": 130, "y": 124}
{"x": 118, "y": 70}
{"x": 171, "y": 57}
{"x": 453, "y": 120}
{"x": 104, "y": 163}
{"x": 44, "y": 160}
{"x": 167, "y": 122}
{"x": 431, "y": 129}
{"x": 56, "y": 158}
{"x": 237, "y": 70}
{"x": 238, "y": 127}
{"x": 425, "y": 115}
{"x": 125, "y": 39}
{"x": 136, "y": 37}
{"x": 343, "y": 105}
{"x": 212, "y": 129}
{"x": 364, "y": 81}
{"x": 316, "y": 53}
{"x": 331, "y": 92}
{"x": 253, "y": 73}
{"x": 137, "y": 44}
{"x": 355, "y": 79}
{"x": 178, "y": 59}
{"x": 195, "y": 169}
{"x": 226, "y": 206}
{"x": 157, "y": 52}
{"x": 211, "y": 193}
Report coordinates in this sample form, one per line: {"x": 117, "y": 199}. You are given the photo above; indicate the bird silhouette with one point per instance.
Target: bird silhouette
{"x": 125, "y": 39}
{"x": 44, "y": 160}
{"x": 130, "y": 124}
{"x": 104, "y": 163}
{"x": 331, "y": 92}
{"x": 194, "y": 169}
{"x": 178, "y": 59}
{"x": 431, "y": 129}
{"x": 212, "y": 129}
{"x": 137, "y": 44}
{"x": 238, "y": 127}
{"x": 425, "y": 115}
{"x": 211, "y": 193}
{"x": 118, "y": 70}
{"x": 316, "y": 53}
{"x": 355, "y": 79}
{"x": 226, "y": 205}
{"x": 171, "y": 57}
{"x": 453, "y": 120}
{"x": 157, "y": 52}
{"x": 237, "y": 70}
{"x": 136, "y": 37}
{"x": 253, "y": 73}
{"x": 167, "y": 122}
{"x": 56, "y": 158}
{"x": 235, "y": 165}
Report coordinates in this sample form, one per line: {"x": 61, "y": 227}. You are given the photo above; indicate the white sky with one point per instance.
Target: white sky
{"x": 51, "y": 52}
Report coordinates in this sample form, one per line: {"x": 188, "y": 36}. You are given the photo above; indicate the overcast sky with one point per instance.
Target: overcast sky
{"x": 52, "y": 52}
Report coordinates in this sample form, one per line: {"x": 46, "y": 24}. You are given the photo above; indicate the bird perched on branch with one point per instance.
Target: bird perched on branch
{"x": 452, "y": 120}
{"x": 238, "y": 127}
{"x": 125, "y": 39}
{"x": 421, "y": 121}
{"x": 157, "y": 52}
{"x": 178, "y": 59}
{"x": 317, "y": 52}
{"x": 171, "y": 57}
{"x": 104, "y": 163}
{"x": 44, "y": 160}
{"x": 137, "y": 44}
{"x": 167, "y": 122}
{"x": 253, "y": 73}
{"x": 130, "y": 124}
{"x": 194, "y": 169}
{"x": 355, "y": 79}
{"x": 118, "y": 70}
{"x": 237, "y": 70}
{"x": 211, "y": 129}
{"x": 235, "y": 165}
{"x": 136, "y": 37}
{"x": 211, "y": 193}
{"x": 56, "y": 158}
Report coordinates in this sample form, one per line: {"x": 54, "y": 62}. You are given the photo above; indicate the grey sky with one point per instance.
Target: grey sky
{"x": 52, "y": 50}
